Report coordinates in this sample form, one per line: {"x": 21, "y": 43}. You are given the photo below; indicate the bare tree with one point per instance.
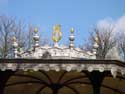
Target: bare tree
{"x": 19, "y": 33}
{"x": 6, "y": 28}
{"x": 9, "y": 27}
{"x": 104, "y": 38}
{"x": 30, "y": 41}
{"x": 121, "y": 45}
{"x": 44, "y": 41}
{"x": 30, "y": 36}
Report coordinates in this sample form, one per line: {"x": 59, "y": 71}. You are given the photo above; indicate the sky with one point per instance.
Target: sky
{"x": 79, "y": 14}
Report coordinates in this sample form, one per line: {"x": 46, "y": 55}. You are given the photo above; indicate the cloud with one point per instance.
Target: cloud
{"x": 103, "y": 24}
{"x": 119, "y": 24}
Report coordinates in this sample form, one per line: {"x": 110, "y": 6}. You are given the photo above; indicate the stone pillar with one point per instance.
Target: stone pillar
{"x": 4, "y": 76}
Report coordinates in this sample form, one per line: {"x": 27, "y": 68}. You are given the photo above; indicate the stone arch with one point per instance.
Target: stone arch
{"x": 50, "y": 82}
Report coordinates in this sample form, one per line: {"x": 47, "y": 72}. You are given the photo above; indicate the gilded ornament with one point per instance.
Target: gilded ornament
{"x": 57, "y": 34}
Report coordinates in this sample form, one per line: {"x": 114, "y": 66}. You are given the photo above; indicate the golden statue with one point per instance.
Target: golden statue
{"x": 57, "y": 34}
{"x": 97, "y": 39}
{"x": 14, "y": 39}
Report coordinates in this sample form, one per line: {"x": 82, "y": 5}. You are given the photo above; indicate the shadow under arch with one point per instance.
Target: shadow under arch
{"x": 4, "y": 76}
{"x": 113, "y": 85}
{"x": 96, "y": 79}
{"x": 50, "y": 82}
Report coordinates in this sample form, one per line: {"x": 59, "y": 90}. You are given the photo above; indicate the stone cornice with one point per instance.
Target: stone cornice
{"x": 114, "y": 66}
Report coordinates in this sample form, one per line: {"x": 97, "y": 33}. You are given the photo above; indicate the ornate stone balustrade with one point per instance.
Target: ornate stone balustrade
{"x": 114, "y": 66}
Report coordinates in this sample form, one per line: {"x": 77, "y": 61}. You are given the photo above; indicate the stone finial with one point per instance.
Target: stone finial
{"x": 71, "y": 38}
{"x": 15, "y": 47}
{"x": 36, "y": 37}
{"x": 95, "y": 46}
